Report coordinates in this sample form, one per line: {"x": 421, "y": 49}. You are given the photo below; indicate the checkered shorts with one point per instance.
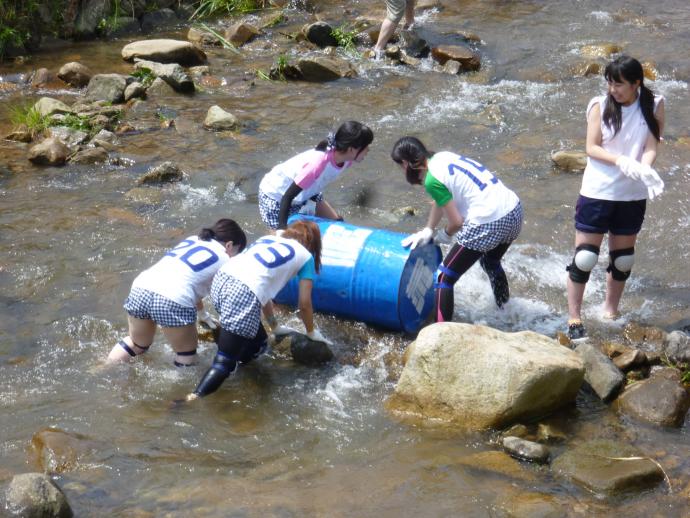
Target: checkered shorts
{"x": 488, "y": 236}
{"x": 270, "y": 208}
{"x": 238, "y": 307}
{"x": 147, "y": 305}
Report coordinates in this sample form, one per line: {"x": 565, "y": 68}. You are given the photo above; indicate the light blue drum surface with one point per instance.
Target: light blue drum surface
{"x": 367, "y": 275}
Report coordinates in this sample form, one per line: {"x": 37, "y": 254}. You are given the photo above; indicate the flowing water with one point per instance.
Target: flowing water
{"x": 283, "y": 440}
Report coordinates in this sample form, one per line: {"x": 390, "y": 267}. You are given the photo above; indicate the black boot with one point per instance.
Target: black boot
{"x": 222, "y": 367}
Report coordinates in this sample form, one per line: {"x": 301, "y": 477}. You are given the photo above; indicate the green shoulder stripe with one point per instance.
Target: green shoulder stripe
{"x": 438, "y": 192}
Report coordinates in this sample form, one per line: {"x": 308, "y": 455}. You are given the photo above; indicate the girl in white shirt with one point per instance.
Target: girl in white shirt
{"x": 246, "y": 285}
{"x": 289, "y": 186}
{"x": 170, "y": 292}
{"x": 484, "y": 217}
{"x": 624, "y": 129}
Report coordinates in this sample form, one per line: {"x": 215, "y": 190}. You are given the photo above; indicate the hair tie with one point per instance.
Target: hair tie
{"x": 330, "y": 140}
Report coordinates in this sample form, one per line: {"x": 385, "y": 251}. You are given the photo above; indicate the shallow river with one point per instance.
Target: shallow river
{"x": 284, "y": 440}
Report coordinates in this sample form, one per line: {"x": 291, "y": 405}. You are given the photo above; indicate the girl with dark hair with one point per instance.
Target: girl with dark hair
{"x": 624, "y": 129}
{"x": 484, "y": 217}
{"x": 245, "y": 286}
{"x": 170, "y": 293}
{"x": 290, "y": 185}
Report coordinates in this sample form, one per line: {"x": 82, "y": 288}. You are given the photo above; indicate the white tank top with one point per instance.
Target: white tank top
{"x": 479, "y": 196}
{"x": 267, "y": 265}
{"x": 312, "y": 170}
{"x": 185, "y": 273}
{"x": 604, "y": 181}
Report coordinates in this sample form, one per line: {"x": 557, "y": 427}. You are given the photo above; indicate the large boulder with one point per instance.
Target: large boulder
{"x": 90, "y": 16}
{"x": 106, "y": 87}
{"x": 171, "y": 73}
{"x": 75, "y": 74}
{"x": 661, "y": 400}
{"x": 325, "y": 68}
{"x": 35, "y": 495}
{"x": 165, "y": 51}
{"x": 606, "y": 467}
{"x": 480, "y": 377}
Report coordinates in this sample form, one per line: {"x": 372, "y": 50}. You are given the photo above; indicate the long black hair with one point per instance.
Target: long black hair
{"x": 630, "y": 70}
{"x": 225, "y": 230}
{"x": 415, "y": 153}
{"x": 350, "y": 134}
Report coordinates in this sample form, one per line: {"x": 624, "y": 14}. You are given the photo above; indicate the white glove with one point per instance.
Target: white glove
{"x": 206, "y": 319}
{"x": 654, "y": 183}
{"x": 630, "y": 167}
{"x": 419, "y": 238}
{"x": 442, "y": 237}
{"x": 282, "y": 330}
{"x": 318, "y": 337}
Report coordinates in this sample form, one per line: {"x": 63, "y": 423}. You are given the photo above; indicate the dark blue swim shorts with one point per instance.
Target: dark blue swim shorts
{"x": 621, "y": 218}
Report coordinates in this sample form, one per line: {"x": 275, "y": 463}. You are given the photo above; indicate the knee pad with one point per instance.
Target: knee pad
{"x": 585, "y": 259}
{"x": 185, "y": 359}
{"x": 621, "y": 262}
{"x": 222, "y": 367}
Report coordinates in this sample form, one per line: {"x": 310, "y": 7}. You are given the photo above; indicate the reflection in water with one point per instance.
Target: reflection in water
{"x": 281, "y": 439}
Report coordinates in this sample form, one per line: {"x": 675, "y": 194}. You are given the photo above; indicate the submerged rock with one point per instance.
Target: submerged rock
{"x": 36, "y": 495}
{"x": 480, "y": 377}
{"x": 570, "y": 160}
{"x": 527, "y": 450}
{"x": 164, "y": 173}
{"x": 305, "y": 350}
{"x": 608, "y": 467}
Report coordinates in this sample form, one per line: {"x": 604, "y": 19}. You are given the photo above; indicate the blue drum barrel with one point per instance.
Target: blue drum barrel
{"x": 367, "y": 275}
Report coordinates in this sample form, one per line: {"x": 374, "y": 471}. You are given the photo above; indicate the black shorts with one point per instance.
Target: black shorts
{"x": 621, "y": 218}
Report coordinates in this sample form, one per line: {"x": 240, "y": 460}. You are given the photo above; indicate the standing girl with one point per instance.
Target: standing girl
{"x": 624, "y": 128}
{"x": 484, "y": 216}
{"x": 247, "y": 283}
{"x": 170, "y": 292}
{"x": 290, "y": 185}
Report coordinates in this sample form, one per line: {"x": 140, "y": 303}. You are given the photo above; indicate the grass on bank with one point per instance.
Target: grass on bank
{"x": 208, "y": 8}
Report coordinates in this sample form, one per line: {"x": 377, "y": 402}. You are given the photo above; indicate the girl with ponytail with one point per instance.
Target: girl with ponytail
{"x": 170, "y": 293}
{"x": 290, "y": 185}
{"x": 624, "y": 129}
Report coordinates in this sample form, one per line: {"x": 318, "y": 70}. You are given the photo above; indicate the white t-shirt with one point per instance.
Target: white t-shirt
{"x": 604, "y": 181}
{"x": 267, "y": 265}
{"x": 479, "y": 196}
{"x": 312, "y": 170}
{"x": 185, "y": 273}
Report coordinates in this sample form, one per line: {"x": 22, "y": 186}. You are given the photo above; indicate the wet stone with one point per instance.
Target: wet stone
{"x": 526, "y": 450}
{"x": 164, "y": 173}
{"x": 90, "y": 155}
{"x": 517, "y": 430}
{"x": 550, "y": 434}
{"x": 36, "y": 495}
{"x": 608, "y": 467}
{"x": 51, "y": 151}
{"x": 661, "y": 400}
{"x": 600, "y": 372}
{"x": 574, "y": 161}
{"x": 306, "y": 351}
{"x": 629, "y": 359}
{"x": 498, "y": 463}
